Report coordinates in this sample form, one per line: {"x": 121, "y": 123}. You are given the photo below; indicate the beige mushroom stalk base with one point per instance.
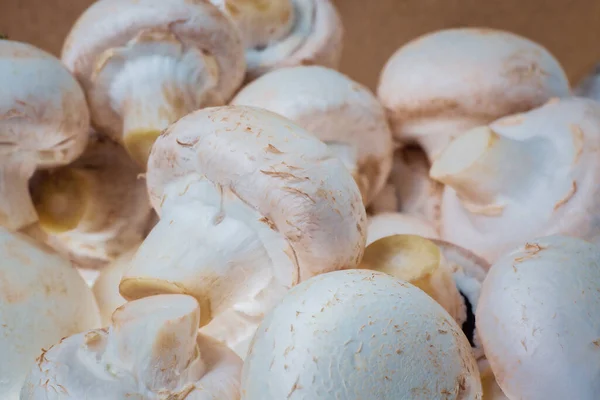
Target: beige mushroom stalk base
{"x": 44, "y": 122}
{"x": 538, "y": 318}
{"x": 523, "y": 176}
{"x": 443, "y": 83}
{"x": 250, "y": 204}
{"x": 42, "y": 299}
{"x": 283, "y": 33}
{"x": 152, "y": 351}
{"x": 154, "y": 64}
{"x": 359, "y": 334}
{"x": 340, "y": 112}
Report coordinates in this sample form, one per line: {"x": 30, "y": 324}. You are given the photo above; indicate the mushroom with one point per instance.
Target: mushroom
{"x": 522, "y": 176}
{"x": 590, "y": 85}
{"x": 42, "y": 299}
{"x": 388, "y": 224}
{"x": 340, "y": 112}
{"x": 250, "y": 204}
{"x": 152, "y": 350}
{"x": 443, "y": 83}
{"x": 96, "y": 208}
{"x": 380, "y": 337}
{"x": 44, "y": 122}
{"x": 280, "y": 33}
{"x": 409, "y": 188}
{"x": 538, "y": 319}
{"x": 106, "y": 286}
{"x": 145, "y": 63}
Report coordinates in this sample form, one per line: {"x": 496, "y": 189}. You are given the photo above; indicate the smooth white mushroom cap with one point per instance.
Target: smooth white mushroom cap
{"x": 42, "y": 299}
{"x": 145, "y": 63}
{"x": 152, "y": 350}
{"x": 539, "y": 319}
{"x": 389, "y": 223}
{"x": 523, "y": 176}
{"x": 359, "y": 334}
{"x": 340, "y": 112}
{"x": 44, "y": 122}
{"x": 445, "y": 82}
{"x": 284, "y": 33}
{"x": 250, "y": 204}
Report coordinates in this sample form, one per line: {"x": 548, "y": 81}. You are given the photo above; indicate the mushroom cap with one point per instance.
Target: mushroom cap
{"x": 561, "y": 197}
{"x": 43, "y": 113}
{"x": 108, "y": 25}
{"x": 390, "y": 223}
{"x": 42, "y": 299}
{"x": 336, "y": 109}
{"x": 386, "y": 338}
{"x": 538, "y": 318}
{"x": 276, "y": 168}
{"x": 455, "y": 79}
{"x": 315, "y": 38}
{"x": 117, "y": 214}
{"x": 117, "y": 362}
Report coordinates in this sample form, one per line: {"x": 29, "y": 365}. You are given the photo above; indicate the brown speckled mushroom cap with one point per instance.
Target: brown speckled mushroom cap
{"x": 445, "y": 82}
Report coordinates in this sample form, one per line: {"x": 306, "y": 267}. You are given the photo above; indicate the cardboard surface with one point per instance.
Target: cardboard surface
{"x": 570, "y": 29}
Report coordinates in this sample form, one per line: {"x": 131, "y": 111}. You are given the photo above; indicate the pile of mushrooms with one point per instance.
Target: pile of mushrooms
{"x": 254, "y": 224}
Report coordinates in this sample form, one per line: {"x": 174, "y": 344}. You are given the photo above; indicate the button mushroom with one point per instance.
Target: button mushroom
{"x": 525, "y": 175}
{"x": 443, "y": 83}
{"x": 152, "y": 350}
{"x": 388, "y": 224}
{"x": 145, "y": 63}
{"x": 538, "y": 319}
{"x": 340, "y": 112}
{"x": 96, "y": 208}
{"x": 250, "y": 205}
{"x": 42, "y": 299}
{"x": 44, "y": 123}
{"x": 359, "y": 334}
{"x": 279, "y": 33}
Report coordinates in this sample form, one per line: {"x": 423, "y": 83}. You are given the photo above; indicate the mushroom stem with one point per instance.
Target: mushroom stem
{"x": 420, "y": 262}
{"x": 16, "y": 208}
{"x": 484, "y": 168}
{"x": 261, "y": 21}
{"x": 155, "y": 91}
{"x": 157, "y": 339}
{"x": 61, "y": 198}
{"x": 214, "y": 257}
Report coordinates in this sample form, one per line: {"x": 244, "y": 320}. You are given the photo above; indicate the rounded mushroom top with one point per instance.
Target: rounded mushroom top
{"x": 538, "y": 319}
{"x": 188, "y": 46}
{"x": 387, "y": 339}
{"x": 44, "y": 118}
{"x": 152, "y": 350}
{"x": 42, "y": 299}
{"x": 340, "y": 112}
{"x": 283, "y": 174}
{"x": 540, "y": 167}
{"x": 286, "y": 32}
{"x": 454, "y": 79}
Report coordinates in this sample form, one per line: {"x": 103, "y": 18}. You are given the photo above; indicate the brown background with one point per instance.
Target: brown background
{"x": 376, "y": 28}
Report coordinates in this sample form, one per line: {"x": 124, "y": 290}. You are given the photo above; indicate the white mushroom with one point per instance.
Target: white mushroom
{"x": 445, "y": 82}
{"x": 145, "y": 63}
{"x": 538, "y": 319}
{"x": 362, "y": 335}
{"x": 340, "y": 112}
{"x": 250, "y": 204}
{"x": 152, "y": 351}
{"x": 280, "y": 33}
{"x": 95, "y": 209}
{"x": 388, "y": 224}
{"x": 44, "y": 123}
{"x": 42, "y": 299}
{"x": 525, "y": 175}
